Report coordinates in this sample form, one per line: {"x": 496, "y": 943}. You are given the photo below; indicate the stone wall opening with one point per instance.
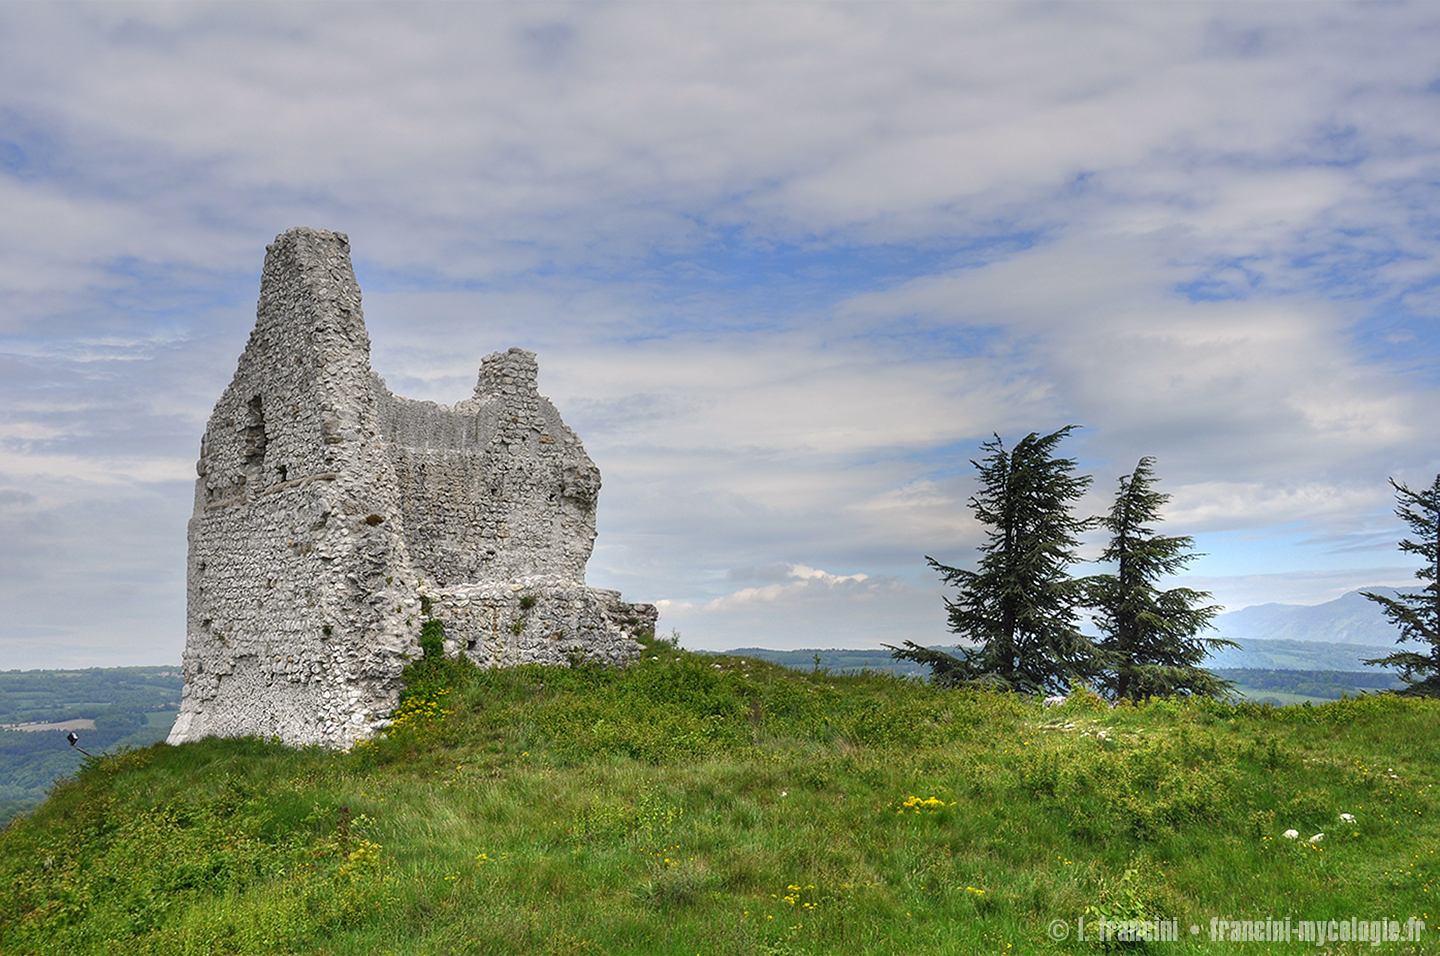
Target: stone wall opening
{"x": 255, "y": 434}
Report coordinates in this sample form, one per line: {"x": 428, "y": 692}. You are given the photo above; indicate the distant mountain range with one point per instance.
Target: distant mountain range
{"x": 1336, "y": 635}
{"x": 1349, "y": 619}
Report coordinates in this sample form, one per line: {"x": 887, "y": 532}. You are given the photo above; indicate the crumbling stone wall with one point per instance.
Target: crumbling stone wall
{"x": 330, "y": 514}
{"x": 496, "y": 486}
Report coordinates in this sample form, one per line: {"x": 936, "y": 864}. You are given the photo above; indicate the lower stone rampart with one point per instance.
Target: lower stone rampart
{"x": 541, "y": 619}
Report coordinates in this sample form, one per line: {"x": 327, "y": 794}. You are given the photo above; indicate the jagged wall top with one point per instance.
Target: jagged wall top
{"x": 495, "y": 486}
{"x": 299, "y": 397}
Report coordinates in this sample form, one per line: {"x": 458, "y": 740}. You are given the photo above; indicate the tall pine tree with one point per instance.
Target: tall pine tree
{"x": 1417, "y": 615}
{"x": 1018, "y": 607}
{"x": 1151, "y": 644}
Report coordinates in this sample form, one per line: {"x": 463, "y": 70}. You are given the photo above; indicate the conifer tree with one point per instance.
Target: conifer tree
{"x": 1018, "y": 607}
{"x": 1151, "y": 644}
{"x": 1417, "y": 615}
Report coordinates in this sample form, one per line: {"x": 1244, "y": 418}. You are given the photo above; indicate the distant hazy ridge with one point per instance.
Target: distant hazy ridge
{"x": 1336, "y": 635}
{"x": 1349, "y": 619}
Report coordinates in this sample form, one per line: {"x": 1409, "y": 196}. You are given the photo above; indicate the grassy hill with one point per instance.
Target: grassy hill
{"x": 693, "y": 804}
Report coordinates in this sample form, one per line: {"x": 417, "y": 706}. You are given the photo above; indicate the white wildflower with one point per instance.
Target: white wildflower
{"x": 1292, "y": 834}
{"x": 1317, "y": 838}
{"x": 1347, "y": 818}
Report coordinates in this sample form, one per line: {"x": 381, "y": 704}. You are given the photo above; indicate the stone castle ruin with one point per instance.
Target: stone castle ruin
{"x": 333, "y": 518}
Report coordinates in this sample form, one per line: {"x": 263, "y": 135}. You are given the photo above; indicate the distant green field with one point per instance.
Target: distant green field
{"x": 835, "y": 660}
{"x": 131, "y": 707}
{"x": 1278, "y": 698}
{"x": 64, "y": 695}
{"x": 1283, "y": 687}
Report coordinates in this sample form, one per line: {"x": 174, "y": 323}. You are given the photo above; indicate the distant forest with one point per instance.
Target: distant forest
{"x": 1321, "y": 685}
{"x": 131, "y": 706}
{"x": 1263, "y": 686}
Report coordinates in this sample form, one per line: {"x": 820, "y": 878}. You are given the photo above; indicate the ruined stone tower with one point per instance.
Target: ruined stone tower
{"x": 332, "y": 518}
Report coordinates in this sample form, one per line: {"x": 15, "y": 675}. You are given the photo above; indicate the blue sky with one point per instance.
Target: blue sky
{"x": 785, "y": 267}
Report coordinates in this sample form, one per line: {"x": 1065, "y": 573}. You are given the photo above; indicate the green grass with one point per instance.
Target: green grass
{"x": 690, "y": 804}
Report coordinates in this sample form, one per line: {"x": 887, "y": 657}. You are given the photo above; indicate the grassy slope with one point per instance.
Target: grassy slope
{"x": 31, "y": 761}
{"x": 695, "y": 805}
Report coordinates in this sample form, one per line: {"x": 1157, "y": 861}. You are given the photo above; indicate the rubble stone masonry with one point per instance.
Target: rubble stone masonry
{"x": 332, "y": 518}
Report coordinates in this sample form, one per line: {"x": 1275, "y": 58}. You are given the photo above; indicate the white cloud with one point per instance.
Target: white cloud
{"x": 786, "y": 265}
{"x": 851, "y": 610}
{"x": 802, "y": 580}
{"x": 1234, "y": 592}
